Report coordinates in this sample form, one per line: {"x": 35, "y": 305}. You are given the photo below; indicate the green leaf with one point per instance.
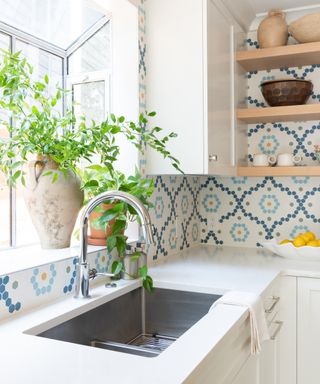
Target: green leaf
{"x": 91, "y": 183}
{"x": 148, "y": 283}
{"x": 55, "y": 177}
{"x": 16, "y": 175}
{"x": 46, "y": 78}
{"x": 111, "y": 243}
{"x": 143, "y": 271}
{"x": 116, "y": 267}
{"x": 135, "y": 256}
{"x": 34, "y": 110}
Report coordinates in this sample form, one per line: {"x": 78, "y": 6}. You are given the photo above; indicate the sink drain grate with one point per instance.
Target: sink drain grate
{"x": 143, "y": 345}
{"x": 155, "y": 342}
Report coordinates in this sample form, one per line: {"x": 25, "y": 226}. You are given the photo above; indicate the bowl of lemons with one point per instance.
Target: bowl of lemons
{"x": 305, "y": 246}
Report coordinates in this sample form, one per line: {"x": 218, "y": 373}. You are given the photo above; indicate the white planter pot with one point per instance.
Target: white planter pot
{"x": 53, "y": 206}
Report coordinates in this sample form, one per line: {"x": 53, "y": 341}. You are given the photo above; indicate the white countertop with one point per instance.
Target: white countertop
{"x": 28, "y": 359}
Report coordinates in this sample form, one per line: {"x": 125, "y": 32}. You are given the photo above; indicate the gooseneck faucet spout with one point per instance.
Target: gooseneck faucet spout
{"x": 84, "y": 274}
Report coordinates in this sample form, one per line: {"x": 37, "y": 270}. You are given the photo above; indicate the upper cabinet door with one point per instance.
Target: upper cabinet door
{"x": 220, "y": 91}
{"x": 175, "y": 88}
{"x": 190, "y": 83}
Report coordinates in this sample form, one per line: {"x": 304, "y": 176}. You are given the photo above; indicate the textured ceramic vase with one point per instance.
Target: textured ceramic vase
{"x": 306, "y": 29}
{"x": 53, "y": 206}
{"x": 273, "y": 30}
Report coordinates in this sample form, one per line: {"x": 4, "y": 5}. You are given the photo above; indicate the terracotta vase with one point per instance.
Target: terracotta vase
{"x": 273, "y": 30}
{"x": 306, "y": 29}
{"x": 53, "y": 206}
{"x": 98, "y": 235}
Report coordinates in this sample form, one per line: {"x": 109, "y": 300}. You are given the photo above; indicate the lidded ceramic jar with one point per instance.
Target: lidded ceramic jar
{"x": 273, "y": 30}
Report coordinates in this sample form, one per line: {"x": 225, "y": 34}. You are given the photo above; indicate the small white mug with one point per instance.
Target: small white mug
{"x": 288, "y": 160}
{"x": 263, "y": 160}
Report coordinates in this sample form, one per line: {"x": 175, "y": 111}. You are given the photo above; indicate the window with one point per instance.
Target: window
{"x": 71, "y": 42}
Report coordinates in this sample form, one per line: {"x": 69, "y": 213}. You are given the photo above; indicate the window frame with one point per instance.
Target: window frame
{"x": 15, "y": 34}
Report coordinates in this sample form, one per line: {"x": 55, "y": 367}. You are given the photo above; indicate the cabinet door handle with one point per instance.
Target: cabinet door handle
{"x": 275, "y": 301}
{"x": 213, "y": 158}
{"x": 280, "y": 324}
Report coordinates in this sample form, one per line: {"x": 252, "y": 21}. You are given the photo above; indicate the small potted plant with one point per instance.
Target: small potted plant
{"x": 110, "y": 219}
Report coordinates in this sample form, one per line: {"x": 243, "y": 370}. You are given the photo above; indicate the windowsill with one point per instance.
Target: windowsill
{"x": 19, "y": 259}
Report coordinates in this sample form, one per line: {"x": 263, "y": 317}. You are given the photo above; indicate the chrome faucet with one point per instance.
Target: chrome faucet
{"x": 84, "y": 273}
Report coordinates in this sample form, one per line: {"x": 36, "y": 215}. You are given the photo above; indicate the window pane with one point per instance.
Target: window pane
{"x": 4, "y": 190}
{"x": 90, "y": 100}
{"x": 94, "y": 54}
{"x": 43, "y": 63}
{"x": 59, "y": 22}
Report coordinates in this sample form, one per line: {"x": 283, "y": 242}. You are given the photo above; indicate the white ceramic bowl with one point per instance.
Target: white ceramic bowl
{"x": 289, "y": 251}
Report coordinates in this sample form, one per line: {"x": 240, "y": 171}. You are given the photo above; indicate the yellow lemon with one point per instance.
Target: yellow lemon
{"x": 286, "y": 241}
{"x": 310, "y": 235}
{"x": 313, "y": 243}
{"x": 299, "y": 241}
{"x": 305, "y": 237}
{"x": 318, "y": 242}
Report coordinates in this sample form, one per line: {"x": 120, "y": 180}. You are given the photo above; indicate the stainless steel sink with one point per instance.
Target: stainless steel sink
{"x": 139, "y": 323}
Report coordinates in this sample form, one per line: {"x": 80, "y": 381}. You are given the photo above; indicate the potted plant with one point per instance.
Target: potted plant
{"x": 46, "y": 146}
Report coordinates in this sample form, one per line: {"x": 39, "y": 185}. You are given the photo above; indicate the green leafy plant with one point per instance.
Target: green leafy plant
{"x": 40, "y": 127}
{"x": 98, "y": 179}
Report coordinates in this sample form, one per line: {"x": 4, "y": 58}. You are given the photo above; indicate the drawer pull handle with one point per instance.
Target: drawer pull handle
{"x": 280, "y": 324}
{"x": 275, "y": 300}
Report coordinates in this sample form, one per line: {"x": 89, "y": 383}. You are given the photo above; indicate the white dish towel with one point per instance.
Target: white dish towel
{"x": 258, "y": 322}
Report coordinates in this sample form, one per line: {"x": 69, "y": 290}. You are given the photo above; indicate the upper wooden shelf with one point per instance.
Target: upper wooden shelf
{"x": 287, "y": 56}
{"x": 274, "y": 114}
{"x": 278, "y": 171}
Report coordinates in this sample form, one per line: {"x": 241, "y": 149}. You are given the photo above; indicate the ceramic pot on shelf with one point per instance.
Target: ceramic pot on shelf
{"x": 273, "y": 30}
{"x": 307, "y": 28}
{"x": 53, "y": 204}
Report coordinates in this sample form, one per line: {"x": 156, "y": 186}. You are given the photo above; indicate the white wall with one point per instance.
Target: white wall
{"x": 125, "y": 76}
{"x": 125, "y": 67}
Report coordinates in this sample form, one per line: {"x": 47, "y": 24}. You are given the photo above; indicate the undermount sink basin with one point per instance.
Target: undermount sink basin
{"x": 138, "y": 322}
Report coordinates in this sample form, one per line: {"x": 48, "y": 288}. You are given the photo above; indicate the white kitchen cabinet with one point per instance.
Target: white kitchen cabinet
{"x": 191, "y": 84}
{"x": 308, "y": 331}
{"x": 276, "y": 363}
{"x": 249, "y": 374}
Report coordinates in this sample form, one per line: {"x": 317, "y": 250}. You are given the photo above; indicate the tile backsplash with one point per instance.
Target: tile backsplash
{"x": 248, "y": 211}
{"x": 32, "y": 287}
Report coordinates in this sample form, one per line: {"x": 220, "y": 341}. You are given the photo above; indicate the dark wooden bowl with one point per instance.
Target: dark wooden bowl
{"x": 286, "y": 92}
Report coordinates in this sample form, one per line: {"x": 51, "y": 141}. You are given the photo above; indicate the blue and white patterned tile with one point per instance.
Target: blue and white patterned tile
{"x": 9, "y": 303}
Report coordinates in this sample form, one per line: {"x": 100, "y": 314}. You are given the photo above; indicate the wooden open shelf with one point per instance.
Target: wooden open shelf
{"x": 286, "y": 56}
{"x": 278, "y": 171}
{"x": 275, "y": 114}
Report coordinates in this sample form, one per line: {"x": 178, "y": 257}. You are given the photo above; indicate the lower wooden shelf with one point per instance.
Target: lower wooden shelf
{"x": 274, "y": 114}
{"x": 279, "y": 171}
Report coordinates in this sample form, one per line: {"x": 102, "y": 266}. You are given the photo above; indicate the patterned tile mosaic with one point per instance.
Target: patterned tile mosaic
{"x": 254, "y": 210}
{"x": 175, "y": 214}
{"x": 33, "y": 287}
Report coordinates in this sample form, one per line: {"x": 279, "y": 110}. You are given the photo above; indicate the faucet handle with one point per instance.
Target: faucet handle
{"x": 93, "y": 273}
